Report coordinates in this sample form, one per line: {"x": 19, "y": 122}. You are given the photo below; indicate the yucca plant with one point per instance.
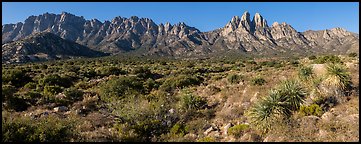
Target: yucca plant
{"x": 338, "y": 77}
{"x": 280, "y": 103}
{"x": 292, "y": 93}
{"x": 305, "y": 73}
{"x": 264, "y": 111}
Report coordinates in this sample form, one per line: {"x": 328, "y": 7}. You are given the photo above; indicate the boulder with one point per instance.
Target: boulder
{"x": 60, "y": 109}
{"x": 327, "y": 116}
{"x": 225, "y": 128}
{"x": 208, "y": 131}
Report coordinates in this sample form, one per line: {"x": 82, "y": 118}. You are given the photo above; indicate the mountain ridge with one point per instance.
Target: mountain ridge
{"x": 121, "y": 35}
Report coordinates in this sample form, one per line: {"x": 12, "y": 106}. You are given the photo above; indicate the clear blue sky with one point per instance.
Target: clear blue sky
{"x": 205, "y": 16}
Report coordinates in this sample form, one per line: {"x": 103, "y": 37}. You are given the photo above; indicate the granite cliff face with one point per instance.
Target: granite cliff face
{"x": 142, "y": 34}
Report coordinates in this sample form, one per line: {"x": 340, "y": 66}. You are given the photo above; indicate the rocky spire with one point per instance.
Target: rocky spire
{"x": 245, "y": 21}
{"x": 259, "y": 22}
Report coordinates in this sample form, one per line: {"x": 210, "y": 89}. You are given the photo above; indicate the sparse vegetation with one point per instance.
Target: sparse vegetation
{"x": 126, "y": 99}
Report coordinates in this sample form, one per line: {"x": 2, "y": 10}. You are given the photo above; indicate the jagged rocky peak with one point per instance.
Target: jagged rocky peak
{"x": 259, "y": 22}
{"x": 245, "y": 20}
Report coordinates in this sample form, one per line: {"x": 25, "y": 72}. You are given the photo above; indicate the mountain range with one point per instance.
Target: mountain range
{"x": 121, "y": 35}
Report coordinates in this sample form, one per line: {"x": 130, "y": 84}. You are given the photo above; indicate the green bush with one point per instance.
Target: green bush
{"x": 46, "y": 129}
{"x": 17, "y": 77}
{"x": 120, "y": 88}
{"x": 238, "y": 130}
{"x": 258, "y": 81}
{"x": 52, "y": 90}
{"x": 55, "y": 79}
{"x": 178, "y": 129}
{"x": 7, "y": 92}
{"x": 313, "y": 109}
{"x": 180, "y": 81}
{"x": 327, "y": 59}
{"x": 352, "y": 54}
{"x": 313, "y": 57}
{"x": 234, "y": 78}
{"x": 192, "y": 102}
{"x": 30, "y": 86}
{"x": 72, "y": 94}
{"x": 143, "y": 72}
{"x": 106, "y": 71}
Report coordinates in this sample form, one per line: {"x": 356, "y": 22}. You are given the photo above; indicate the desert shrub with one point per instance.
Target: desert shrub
{"x": 238, "y": 130}
{"x": 178, "y": 129}
{"x": 305, "y": 73}
{"x": 120, "y": 88}
{"x": 327, "y": 59}
{"x": 352, "y": 54}
{"x": 313, "y": 109}
{"x": 16, "y": 103}
{"x": 294, "y": 63}
{"x": 72, "y": 94}
{"x": 44, "y": 66}
{"x": 326, "y": 102}
{"x": 90, "y": 73}
{"x": 7, "y": 92}
{"x": 258, "y": 81}
{"x": 11, "y": 100}
{"x": 192, "y": 102}
{"x": 234, "y": 78}
{"x": 46, "y": 129}
{"x": 32, "y": 96}
{"x": 30, "y": 86}
{"x": 150, "y": 84}
{"x": 180, "y": 81}
{"x": 106, "y": 71}
{"x": 55, "y": 79}
{"x": 270, "y": 64}
{"x": 206, "y": 139}
{"x": 143, "y": 72}
{"x": 16, "y": 77}
{"x": 312, "y": 57}
{"x": 214, "y": 89}
{"x": 52, "y": 90}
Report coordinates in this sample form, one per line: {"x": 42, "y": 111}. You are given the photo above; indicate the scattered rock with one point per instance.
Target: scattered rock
{"x": 60, "y": 96}
{"x": 208, "y": 131}
{"x": 327, "y": 116}
{"x": 226, "y": 127}
{"x": 323, "y": 134}
{"x": 171, "y": 111}
{"x": 61, "y": 109}
{"x": 250, "y": 137}
{"x": 273, "y": 138}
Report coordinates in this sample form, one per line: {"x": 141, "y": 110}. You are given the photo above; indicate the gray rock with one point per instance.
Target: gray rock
{"x": 60, "y": 109}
